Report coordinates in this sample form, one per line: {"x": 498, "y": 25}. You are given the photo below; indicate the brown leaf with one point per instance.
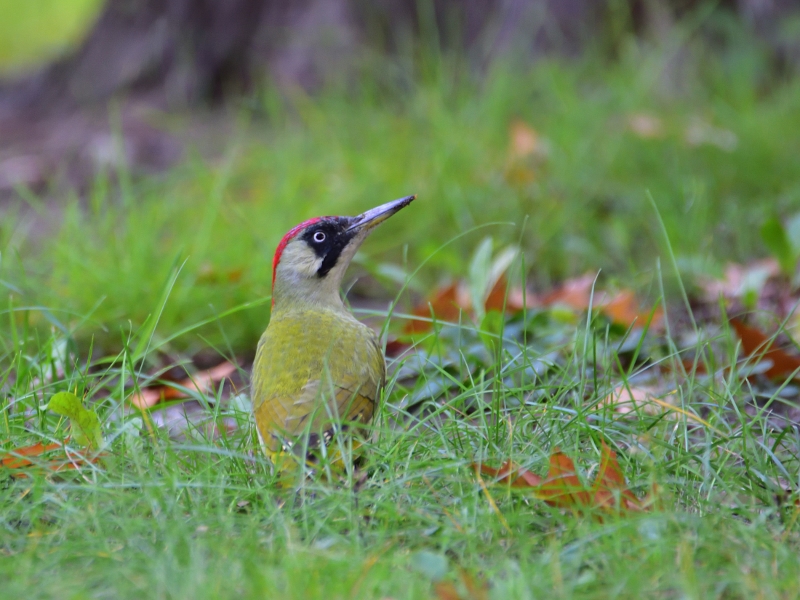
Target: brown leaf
{"x": 16, "y": 462}
{"x": 574, "y": 293}
{"x": 561, "y": 486}
{"x": 624, "y": 309}
{"x": 444, "y": 305}
{"x": 513, "y": 300}
{"x": 756, "y": 345}
{"x": 476, "y": 590}
{"x": 610, "y": 484}
{"x": 446, "y": 590}
{"x": 395, "y": 347}
{"x": 200, "y": 381}
{"x": 512, "y": 474}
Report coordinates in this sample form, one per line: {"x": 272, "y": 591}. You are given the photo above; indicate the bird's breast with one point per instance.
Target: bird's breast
{"x": 310, "y": 357}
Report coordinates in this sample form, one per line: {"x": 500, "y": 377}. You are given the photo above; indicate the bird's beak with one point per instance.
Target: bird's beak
{"x": 375, "y": 216}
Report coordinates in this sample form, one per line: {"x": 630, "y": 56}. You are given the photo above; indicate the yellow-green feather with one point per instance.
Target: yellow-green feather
{"x": 314, "y": 364}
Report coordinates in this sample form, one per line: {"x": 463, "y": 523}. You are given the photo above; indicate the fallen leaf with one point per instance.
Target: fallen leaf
{"x": 576, "y": 293}
{"x": 444, "y": 305}
{"x": 512, "y": 474}
{"x": 20, "y": 463}
{"x": 513, "y": 300}
{"x": 448, "y": 302}
{"x": 562, "y": 487}
{"x": 200, "y": 381}
{"x": 446, "y": 590}
{"x": 758, "y": 346}
{"x": 15, "y": 460}
{"x": 609, "y": 489}
{"x": 622, "y": 308}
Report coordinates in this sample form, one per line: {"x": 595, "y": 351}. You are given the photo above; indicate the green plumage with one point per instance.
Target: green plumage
{"x": 314, "y": 367}
{"x": 317, "y": 368}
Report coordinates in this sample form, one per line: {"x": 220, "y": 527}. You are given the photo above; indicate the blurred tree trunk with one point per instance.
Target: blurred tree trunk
{"x": 181, "y": 52}
{"x": 173, "y": 54}
{"x": 185, "y": 51}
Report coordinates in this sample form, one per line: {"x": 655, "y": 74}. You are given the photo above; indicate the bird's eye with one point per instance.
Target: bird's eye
{"x": 319, "y": 236}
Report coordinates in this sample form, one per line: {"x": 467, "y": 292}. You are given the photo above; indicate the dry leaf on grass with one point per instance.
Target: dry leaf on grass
{"x": 443, "y": 305}
{"x": 622, "y": 308}
{"x": 562, "y": 488}
{"x": 54, "y": 458}
{"x": 200, "y": 381}
{"x": 758, "y": 346}
{"x": 447, "y": 303}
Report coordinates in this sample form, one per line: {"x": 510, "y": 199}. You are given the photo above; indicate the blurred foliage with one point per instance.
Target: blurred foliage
{"x": 560, "y": 158}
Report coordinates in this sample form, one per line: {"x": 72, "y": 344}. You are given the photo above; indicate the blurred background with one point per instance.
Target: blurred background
{"x": 152, "y": 152}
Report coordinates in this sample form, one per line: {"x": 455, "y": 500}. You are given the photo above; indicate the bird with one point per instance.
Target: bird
{"x": 317, "y": 370}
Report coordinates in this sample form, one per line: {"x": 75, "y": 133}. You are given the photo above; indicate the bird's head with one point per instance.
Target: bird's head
{"x": 312, "y": 257}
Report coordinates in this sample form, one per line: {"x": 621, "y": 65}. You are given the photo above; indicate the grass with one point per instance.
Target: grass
{"x": 718, "y": 166}
{"x": 147, "y": 272}
{"x": 204, "y": 517}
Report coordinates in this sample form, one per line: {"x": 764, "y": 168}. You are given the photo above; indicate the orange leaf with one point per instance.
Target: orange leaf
{"x": 201, "y": 381}
{"x": 444, "y": 305}
{"x": 513, "y": 299}
{"x": 561, "y": 486}
{"x": 518, "y": 477}
{"x": 624, "y": 309}
{"x": 610, "y": 484}
{"x": 756, "y": 345}
{"x": 14, "y": 460}
{"x": 574, "y": 293}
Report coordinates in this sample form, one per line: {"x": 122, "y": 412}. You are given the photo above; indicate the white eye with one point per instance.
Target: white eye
{"x": 319, "y": 236}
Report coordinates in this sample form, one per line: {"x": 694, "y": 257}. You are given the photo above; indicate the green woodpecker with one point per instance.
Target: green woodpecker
{"x": 317, "y": 368}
